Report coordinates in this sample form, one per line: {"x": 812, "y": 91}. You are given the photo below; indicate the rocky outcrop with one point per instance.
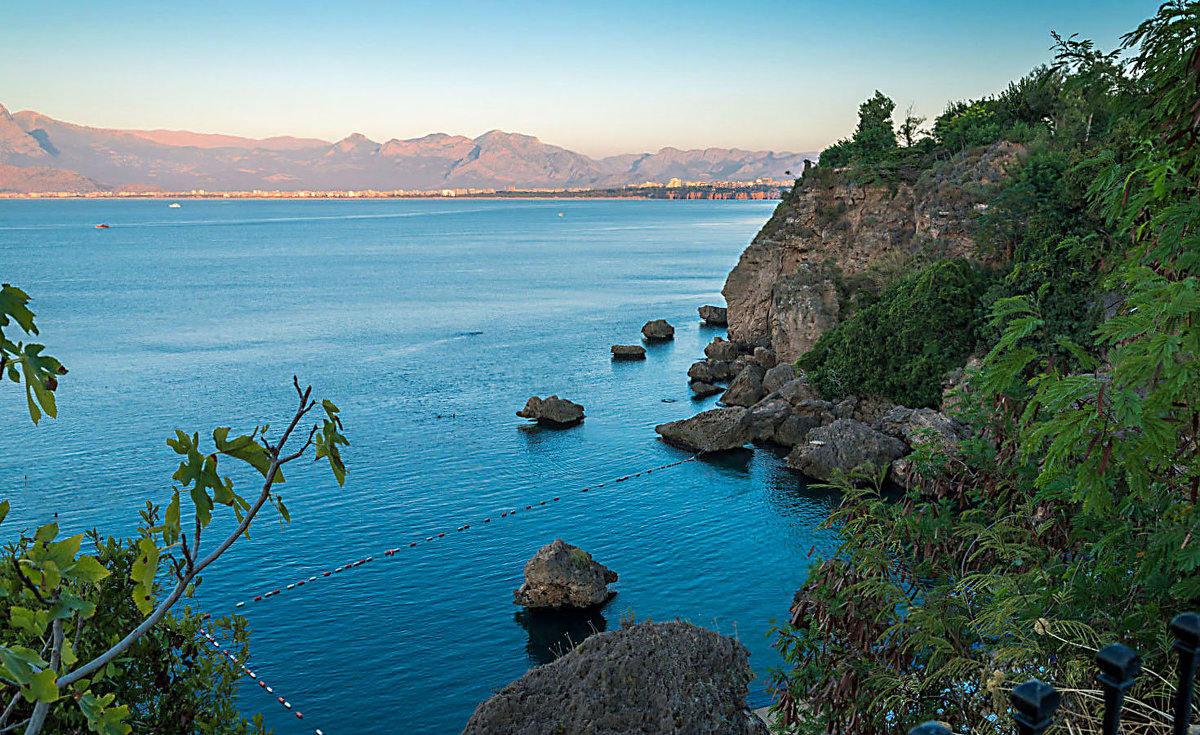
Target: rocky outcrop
{"x": 746, "y": 389}
{"x": 658, "y": 330}
{"x": 714, "y": 315}
{"x": 778, "y": 376}
{"x": 796, "y": 278}
{"x": 564, "y": 576}
{"x": 552, "y": 411}
{"x": 845, "y": 445}
{"x": 924, "y": 425}
{"x": 721, "y": 350}
{"x": 765, "y": 358}
{"x": 716, "y": 430}
{"x": 701, "y": 389}
{"x": 628, "y": 352}
{"x": 646, "y": 678}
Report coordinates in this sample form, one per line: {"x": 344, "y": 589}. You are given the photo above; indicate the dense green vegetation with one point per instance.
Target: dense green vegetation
{"x": 901, "y": 344}
{"x": 1070, "y": 519}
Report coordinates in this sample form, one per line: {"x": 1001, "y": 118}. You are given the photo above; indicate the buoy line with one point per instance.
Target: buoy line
{"x": 435, "y": 537}
{"x": 270, "y": 690}
{"x": 392, "y": 552}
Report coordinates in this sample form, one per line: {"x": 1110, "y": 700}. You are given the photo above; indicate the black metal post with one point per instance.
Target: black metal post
{"x": 1119, "y": 666}
{"x": 1034, "y": 704}
{"x": 1186, "y": 628}
{"x": 930, "y": 728}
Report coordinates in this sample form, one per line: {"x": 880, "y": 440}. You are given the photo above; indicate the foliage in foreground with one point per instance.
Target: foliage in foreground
{"x": 1070, "y": 520}
{"x": 92, "y": 638}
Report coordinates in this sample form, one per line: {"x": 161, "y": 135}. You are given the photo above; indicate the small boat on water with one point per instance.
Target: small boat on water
{"x": 174, "y": 205}
{"x": 101, "y": 227}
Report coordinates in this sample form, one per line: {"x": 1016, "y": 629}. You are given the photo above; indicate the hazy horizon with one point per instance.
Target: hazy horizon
{"x": 622, "y": 78}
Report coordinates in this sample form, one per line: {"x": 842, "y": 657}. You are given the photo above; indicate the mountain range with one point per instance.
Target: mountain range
{"x": 39, "y": 153}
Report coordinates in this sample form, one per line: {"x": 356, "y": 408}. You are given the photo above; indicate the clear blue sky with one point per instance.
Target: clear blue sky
{"x": 599, "y": 77}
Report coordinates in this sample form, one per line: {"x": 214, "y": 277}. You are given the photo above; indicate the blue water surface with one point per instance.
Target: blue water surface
{"x": 429, "y": 323}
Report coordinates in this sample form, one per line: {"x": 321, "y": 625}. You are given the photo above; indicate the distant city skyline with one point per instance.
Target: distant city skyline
{"x": 601, "y": 79}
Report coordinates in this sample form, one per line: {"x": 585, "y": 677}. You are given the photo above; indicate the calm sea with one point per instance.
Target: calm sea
{"x": 429, "y": 323}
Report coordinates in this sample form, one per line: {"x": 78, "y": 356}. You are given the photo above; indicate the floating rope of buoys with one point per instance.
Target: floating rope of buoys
{"x": 440, "y": 535}
{"x": 262, "y": 684}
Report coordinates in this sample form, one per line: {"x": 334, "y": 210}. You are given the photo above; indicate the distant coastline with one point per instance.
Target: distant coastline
{"x": 732, "y": 190}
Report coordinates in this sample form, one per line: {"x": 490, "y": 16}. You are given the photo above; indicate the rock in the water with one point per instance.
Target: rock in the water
{"x": 765, "y": 358}
{"x": 711, "y": 431}
{"x": 561, "y": 575}
{"x": 702, "y": 372}
{"x": 646, "y": 678}
{"x": 715, "y": 315}
{"x": 704, "y": 390}
{"x": 844, "y": 445}
{"x": 924, "y": 425}
{"x": 720, "y": 349}
{"x": 746, "y": 389}
{"x": 553, "y": 411}
{"x": 778, "y": 376}
{"x": 658, "y": 330}
{"x": 628, "y": 352}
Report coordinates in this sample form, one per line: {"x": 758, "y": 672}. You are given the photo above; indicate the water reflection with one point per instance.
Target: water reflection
{"x": 554, "y": 632}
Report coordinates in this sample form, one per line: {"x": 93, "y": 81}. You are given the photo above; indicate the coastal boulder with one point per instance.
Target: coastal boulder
{"x": 628, "y": 352}
{"x": 717, "y": 316}
{"x": 552, "y": 411}
{"x": 658, "y": 330}
{"x": 645, "y": 678}
{"x": 701, "y": 389}
{"x": 746, "y": 389}
{"x": 701, "y": 372}
{"x": 564, "y": 576}
{"x": 924, "y": 425}
{"x": 777, "y": 376}
{"x": 720, "y": 349}
{"x": 711, "y": 431}
{"x": 765, "y": 358}
{"x": 844, "y": 445}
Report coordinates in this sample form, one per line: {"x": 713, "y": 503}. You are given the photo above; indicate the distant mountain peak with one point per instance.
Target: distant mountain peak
{"x": 179, "y": 160}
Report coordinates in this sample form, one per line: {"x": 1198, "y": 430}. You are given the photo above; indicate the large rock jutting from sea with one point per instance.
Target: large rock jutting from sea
{"x": 716, "y": 430}
{"x": 646, "y": 678}
{"x": 552, "y": 411}
{"x": 798, "y": 276}
{"x": 564, "y": 576}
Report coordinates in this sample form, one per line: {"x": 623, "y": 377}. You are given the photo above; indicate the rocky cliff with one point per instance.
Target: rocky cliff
{"x": 831, "y": 237}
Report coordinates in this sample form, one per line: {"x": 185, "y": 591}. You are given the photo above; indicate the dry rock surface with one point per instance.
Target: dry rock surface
{"x": 658, "y": 330}
{"x": 564, "y": 576}
{"x": 714, "y": 315}
{"x": 717, "y": 430}
{"x": 746, "y": 389}
{"x": 845, "y": 445}
{"x": 552, "y": 411}
{"x": 628, "y": 352}
{"x": 646, "y": 678}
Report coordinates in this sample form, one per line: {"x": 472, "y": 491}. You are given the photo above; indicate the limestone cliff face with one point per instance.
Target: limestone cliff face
{"x": 794, "y": 280}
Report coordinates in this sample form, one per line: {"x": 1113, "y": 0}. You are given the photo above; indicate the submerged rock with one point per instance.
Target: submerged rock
{"x": 658, "y": 330}
{"x": 564, "y": 576}
{"x": 628, "y": 352}
{"x": 844, "y": 445}
{"x": 711, "y": 431}
{"x": 552, "y": 411}
{"x": 715, "y": 315}
{"x": 646, "y": 678}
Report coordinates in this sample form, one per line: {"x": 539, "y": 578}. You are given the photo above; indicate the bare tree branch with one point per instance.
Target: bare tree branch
{"x": 41, "y": 709}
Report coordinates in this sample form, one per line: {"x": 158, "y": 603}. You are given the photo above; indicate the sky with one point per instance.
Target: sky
{"x": 600, "y": 77}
